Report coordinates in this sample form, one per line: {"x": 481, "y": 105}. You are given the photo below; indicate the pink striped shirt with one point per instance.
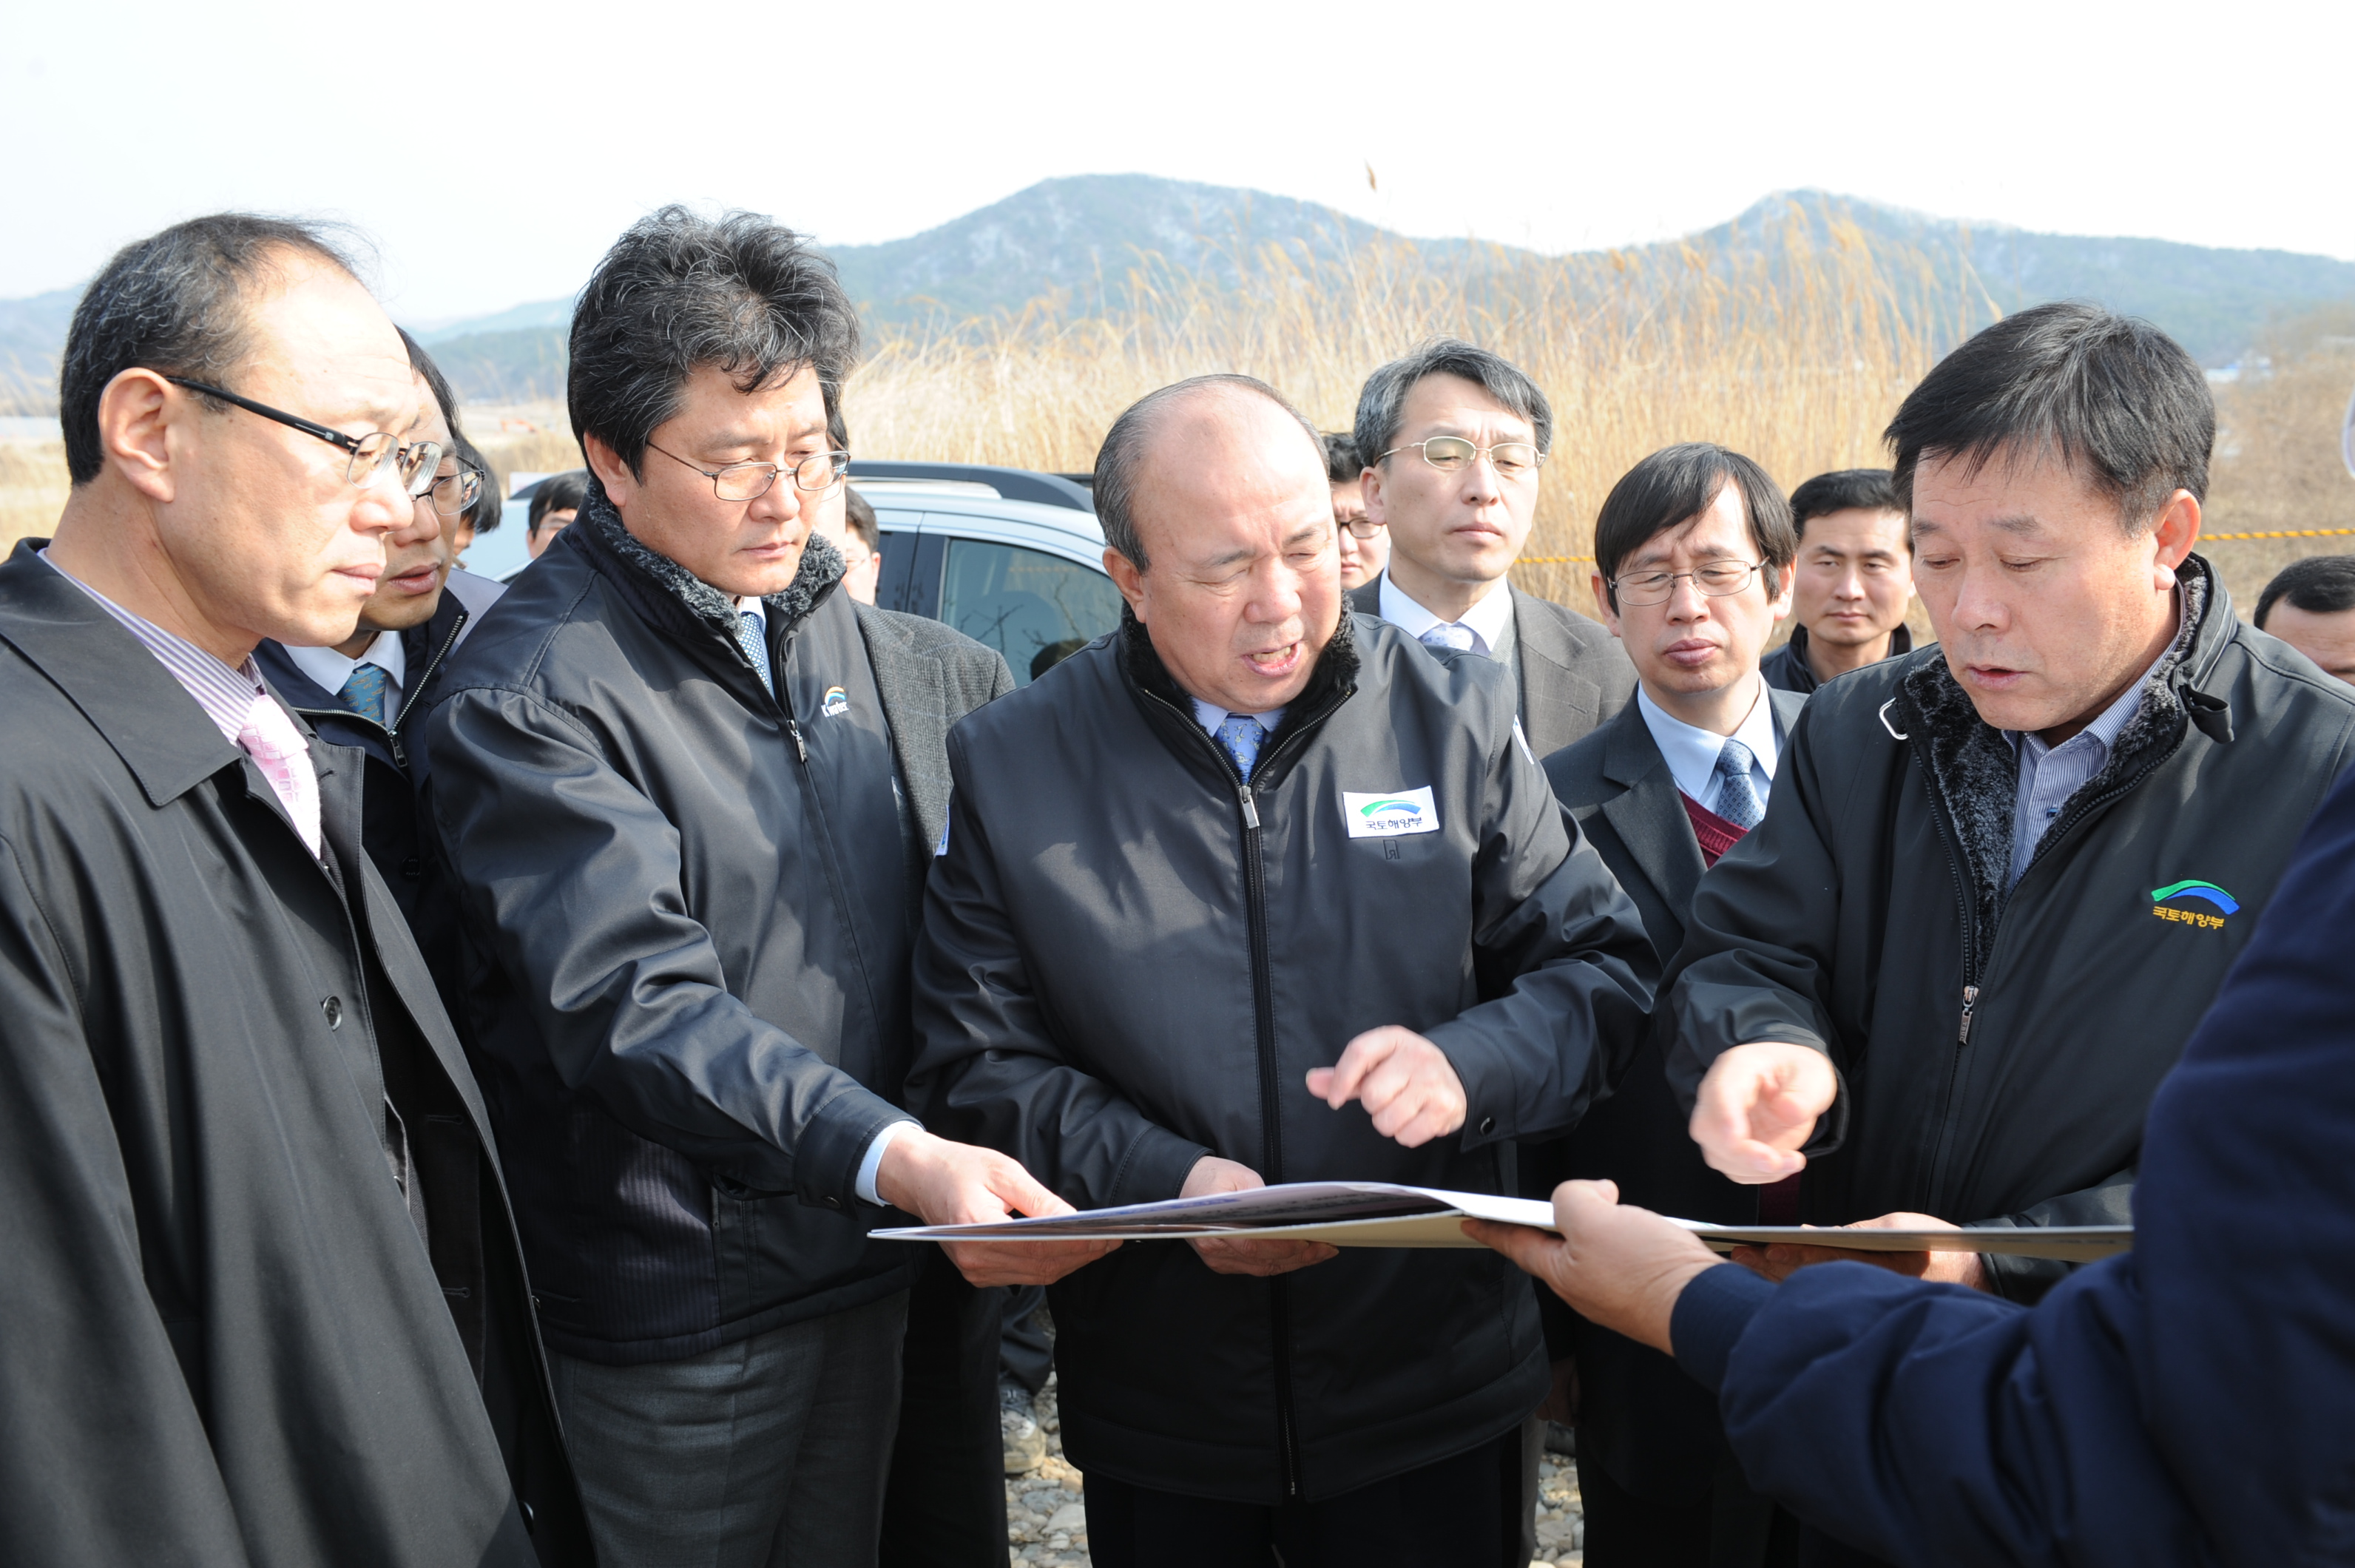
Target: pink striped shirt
{"x": 226, "y": 695}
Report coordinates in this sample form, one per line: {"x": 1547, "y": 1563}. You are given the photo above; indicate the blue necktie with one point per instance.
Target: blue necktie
{"x": 1241, "y": 734}
{"x": 751, "y": 637}
{"x": 1737, "y": 801}
{"x": 1448, "y": 635}
{"x": 364, "y": 692}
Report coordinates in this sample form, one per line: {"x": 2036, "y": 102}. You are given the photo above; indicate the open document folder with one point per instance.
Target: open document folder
{"x": 1378, "y": 1215}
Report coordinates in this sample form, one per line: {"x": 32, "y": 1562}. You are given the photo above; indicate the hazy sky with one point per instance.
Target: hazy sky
{"x": 492, "y": 151}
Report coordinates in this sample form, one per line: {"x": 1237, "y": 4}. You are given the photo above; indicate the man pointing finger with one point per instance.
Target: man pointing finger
{"x": 1182, "y": 869}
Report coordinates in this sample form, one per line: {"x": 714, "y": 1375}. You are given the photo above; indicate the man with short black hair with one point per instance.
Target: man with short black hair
{"x": 1693, "y": 553}
{"x": 688, "y": 789}
{"x": 1364, "y": 544}
{"x": 555, "y": 502}
{"x": 263, "y": 1299}
{"x": 1246, "y": 835}
{"x": 1453, "y": 438}
{"x": 1855, "y": 579}
{"x": 2310, "y": 605}
{"x": 2003, "y": 877}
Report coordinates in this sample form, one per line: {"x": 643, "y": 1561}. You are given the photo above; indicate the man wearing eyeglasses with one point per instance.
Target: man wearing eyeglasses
{"x": 263, "y": 1300}
{"x": 363, "y": 692}
{"x": 690, "y": 789}
{"x": 1455, "y": 439}
{"x": 1693, "y": 553}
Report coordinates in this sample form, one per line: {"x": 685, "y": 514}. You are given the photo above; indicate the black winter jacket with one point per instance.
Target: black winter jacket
{"x": 692, "y": 904}
{"x": 1997, "y": 1051}
{"x": 1131, "y": 957}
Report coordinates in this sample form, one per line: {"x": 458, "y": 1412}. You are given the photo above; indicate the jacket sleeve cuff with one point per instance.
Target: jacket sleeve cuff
{"x": 1154, "y": 1168}
{"x": 870, "y": 1164}
{"x": 1714, "y": 1308}
{"x": 833, "y": 1144}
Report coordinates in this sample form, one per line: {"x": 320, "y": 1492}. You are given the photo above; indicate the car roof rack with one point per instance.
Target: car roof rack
{"x": 1011, "y": 484}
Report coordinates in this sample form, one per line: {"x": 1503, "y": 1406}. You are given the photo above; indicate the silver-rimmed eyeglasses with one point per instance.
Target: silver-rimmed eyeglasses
{"x": 1450, "y": 454}
{"x": 1717, "y": 579}
{"x": 751, "y": 481}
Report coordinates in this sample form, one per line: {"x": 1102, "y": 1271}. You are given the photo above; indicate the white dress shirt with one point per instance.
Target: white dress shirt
{"x": 1490, "y": 622}
{"x": 329, "y": 669}
{"x": 1692, "y": 751}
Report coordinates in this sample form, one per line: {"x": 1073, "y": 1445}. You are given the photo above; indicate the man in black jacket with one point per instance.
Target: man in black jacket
{"x": 2003, "y": 877}
{"x": 1184, "y": 871}
{"x": 1693, "y": 549}
{"x": 688, "y": 789}
{"x": 1454, "y": 438}
{"x": 362, "y": 692}
{"x": 263, "y": 1299}
{"x": 1854, "y": 583}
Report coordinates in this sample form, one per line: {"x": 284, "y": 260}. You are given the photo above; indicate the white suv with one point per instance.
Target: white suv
{"x": 1010, "y": 557}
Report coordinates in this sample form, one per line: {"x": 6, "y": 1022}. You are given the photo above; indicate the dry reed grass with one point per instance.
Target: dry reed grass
{"x": 1793, "y": 348}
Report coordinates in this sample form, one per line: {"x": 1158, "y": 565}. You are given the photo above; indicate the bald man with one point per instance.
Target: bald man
{"x": 1255, "y": 890}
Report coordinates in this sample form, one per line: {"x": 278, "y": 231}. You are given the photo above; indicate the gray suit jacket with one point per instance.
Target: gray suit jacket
{"x": 1618, "y": 787}
{"x": 1573, "y": 673}
{"x": 929, "y": 676}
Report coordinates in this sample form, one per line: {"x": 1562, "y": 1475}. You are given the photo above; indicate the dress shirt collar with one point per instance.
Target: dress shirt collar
{"x": 225, "y": 694}
{"x": 1692, "y": 751}
{"x": 753, "y": 607}
{"x": 2103, "y": 732}
{"x": 1210, "y": 718}
{"x": 1489, "y": 621}
{"x": 329, "y": 669}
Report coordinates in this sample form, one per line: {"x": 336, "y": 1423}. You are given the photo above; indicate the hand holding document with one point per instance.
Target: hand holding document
{"x": 1380, "y": 1214}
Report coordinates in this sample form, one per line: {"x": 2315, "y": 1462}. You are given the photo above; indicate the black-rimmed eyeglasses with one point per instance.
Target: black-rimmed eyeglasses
{"x": 1717, "y": 580}
{"x": 1362, "y": 528}
{"x": 1452, "y": 454}
{"x": 372, "y": 455}
{"x": 751, "y": 481}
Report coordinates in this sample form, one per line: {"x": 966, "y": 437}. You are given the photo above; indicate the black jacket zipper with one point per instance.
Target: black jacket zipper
{"x": 1271, "y": 1144}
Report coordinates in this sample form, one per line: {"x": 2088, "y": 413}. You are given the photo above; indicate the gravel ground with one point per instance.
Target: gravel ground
{"x": 1046, "y": 1524}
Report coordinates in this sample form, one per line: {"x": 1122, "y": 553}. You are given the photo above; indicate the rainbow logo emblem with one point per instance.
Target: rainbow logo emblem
{"x": 1391, "y": 815}
{"x": 836, "y": 702}
{"x": 2165, "y": 904}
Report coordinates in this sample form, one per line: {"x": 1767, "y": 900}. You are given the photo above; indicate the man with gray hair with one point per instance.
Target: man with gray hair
{"x": 1206, "y": 881}
{"x": 1454, "y": 438}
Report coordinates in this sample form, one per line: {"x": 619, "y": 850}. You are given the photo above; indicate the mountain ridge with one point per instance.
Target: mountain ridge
{"x": 1080, "y": 234}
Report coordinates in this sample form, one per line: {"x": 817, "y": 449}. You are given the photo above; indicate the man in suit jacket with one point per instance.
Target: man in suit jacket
{"x": 1693, "y": 552}
{"x": 1454, "y": 438}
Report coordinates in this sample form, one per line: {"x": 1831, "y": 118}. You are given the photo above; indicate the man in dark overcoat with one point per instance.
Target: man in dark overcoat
{"x": 263, "y": 1299}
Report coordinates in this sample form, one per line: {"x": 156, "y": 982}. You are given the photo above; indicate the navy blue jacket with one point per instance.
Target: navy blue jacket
{"x": 2192, "y": 1402}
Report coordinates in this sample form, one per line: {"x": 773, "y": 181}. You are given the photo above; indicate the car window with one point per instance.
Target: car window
{"x": 1033, "y": 607}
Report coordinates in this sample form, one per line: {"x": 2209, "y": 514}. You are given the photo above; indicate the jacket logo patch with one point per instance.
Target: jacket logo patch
{"x": 2177, "y": 893}
{"x": 836, "y": 702}
{"x": 1389, "y": 816}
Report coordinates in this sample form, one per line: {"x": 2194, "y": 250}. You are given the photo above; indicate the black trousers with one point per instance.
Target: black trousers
{"x": 1729, "y": 1525}
{"x": 945, "y": 1504}
{"x": 1461, "y": 1510}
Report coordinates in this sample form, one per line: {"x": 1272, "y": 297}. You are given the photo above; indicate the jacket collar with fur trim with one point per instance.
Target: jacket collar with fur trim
{"x": 674, "y": 599}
